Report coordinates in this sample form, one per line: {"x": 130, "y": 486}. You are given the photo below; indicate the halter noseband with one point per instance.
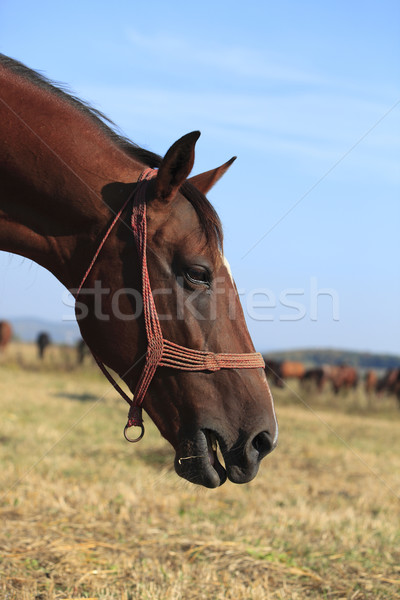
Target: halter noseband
{"x": 160, "y": 352}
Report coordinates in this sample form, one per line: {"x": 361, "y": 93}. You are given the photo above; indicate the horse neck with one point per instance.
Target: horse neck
{"x": 61, "y": 178}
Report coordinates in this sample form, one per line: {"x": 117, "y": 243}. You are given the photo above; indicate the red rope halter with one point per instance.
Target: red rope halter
{"x": 160, "y": 352}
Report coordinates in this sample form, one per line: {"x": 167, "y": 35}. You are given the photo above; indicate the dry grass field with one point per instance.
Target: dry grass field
{"x": 84, "y": 514}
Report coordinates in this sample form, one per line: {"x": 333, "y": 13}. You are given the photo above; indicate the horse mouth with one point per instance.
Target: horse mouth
{"x": 199, "y": 461}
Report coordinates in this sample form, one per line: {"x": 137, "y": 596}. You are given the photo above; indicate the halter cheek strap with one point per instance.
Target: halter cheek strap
{"x": 160, "y": 352}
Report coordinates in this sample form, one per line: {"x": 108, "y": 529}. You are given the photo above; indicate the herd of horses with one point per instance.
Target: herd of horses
{"x": 337, "y": 377}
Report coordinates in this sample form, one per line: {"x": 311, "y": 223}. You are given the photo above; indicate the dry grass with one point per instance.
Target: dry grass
{"x": 86, "y": 515}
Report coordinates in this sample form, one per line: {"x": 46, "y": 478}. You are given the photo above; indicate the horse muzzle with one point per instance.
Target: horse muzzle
{"x": 199, "y": 460}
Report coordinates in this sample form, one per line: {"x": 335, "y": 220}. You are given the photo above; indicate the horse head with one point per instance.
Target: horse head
{"x": 199, "y": 308}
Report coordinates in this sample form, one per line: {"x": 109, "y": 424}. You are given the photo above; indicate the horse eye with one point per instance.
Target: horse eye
{"x": 198, "y": 275}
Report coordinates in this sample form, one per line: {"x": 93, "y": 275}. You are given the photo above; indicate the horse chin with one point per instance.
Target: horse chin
{"x": 197, "y": 460}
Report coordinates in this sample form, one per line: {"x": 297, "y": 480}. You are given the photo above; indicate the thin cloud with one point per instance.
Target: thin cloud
{"x": 319, "y": 130}
{"x": 232, "y": 59}
{"x": 224, "y": 61}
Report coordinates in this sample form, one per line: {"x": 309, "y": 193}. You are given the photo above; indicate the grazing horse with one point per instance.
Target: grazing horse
{"x": 281, "y": 371}
{"x": 390, "y": 383}
{"x": 43, "y": 340}
{"x": 315, "y": 375}
{"x": 5, "y": 334}
{"x": 341, "y": 377}
{"x": 370, "y": 381}
{"x": 82, "y": 351}
{"x": 272, "y": 369}
{"x": 141, "y": 251}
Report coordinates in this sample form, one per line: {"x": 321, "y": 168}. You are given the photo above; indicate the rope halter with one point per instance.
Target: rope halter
{"x": 160, "y": 352}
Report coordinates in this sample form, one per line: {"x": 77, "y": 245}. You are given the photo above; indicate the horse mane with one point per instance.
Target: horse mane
{"x": 208, "y": 216}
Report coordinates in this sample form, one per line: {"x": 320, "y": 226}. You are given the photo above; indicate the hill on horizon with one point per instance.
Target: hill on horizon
{"x": 320, "y": 356}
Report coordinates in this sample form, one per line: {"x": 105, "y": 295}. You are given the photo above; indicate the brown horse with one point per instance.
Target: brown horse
{"x": 315, "y": 376}
{"x": 278, "y": 372}
{"x": 5, "y": 334}
{"x": 370, "y": 381}
{"x": 389, "y": 383}
{"x": 64, "y": 176}
{"x": 341, "y": 377}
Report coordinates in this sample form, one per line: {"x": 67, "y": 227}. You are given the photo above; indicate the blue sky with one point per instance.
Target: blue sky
{"x": 306, "y": 94}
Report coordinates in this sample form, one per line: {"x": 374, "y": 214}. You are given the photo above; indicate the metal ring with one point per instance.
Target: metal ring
{"x": 128, "y": 439}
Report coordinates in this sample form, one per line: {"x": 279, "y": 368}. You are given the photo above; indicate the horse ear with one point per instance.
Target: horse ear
{"x": 176, "y": 166}
{"x": 205, "y": 181}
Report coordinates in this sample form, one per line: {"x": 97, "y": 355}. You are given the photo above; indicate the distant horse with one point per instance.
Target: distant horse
{"x": 82, "y": 351}
{"x": 281, "y": 371}
{"x": 370, "y": 381}
{"x": 316, "y": 376}
{"x": 272, "y": 369}
{"x": 389, "y": 383}
{"x": 89, "y": 206}
{"x": 341, "y": 377}
{"x": 43, "y": 340}
{"x": 5, "y": 334}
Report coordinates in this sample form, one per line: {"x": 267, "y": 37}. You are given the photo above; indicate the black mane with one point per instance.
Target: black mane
{"x": 208, "y": 217}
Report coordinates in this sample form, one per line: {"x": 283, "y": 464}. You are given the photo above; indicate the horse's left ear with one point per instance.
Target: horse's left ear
{"x": 176, "y": 166}
{"x": 205, "y": 181}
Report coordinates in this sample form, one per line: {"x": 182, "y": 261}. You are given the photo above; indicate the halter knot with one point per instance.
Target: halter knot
{"x": 211, "y": 362}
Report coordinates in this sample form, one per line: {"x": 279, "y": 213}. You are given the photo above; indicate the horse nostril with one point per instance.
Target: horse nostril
{"x": 262, "y": 444}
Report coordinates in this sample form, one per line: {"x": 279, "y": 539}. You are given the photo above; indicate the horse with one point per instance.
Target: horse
{"x": 281, "y": 371}
{"x": 137, "y": 243}
{"x": 5, "y": 334}
{"x": 82, "y": 350}
{"x": 389, "y": 383}
{"x": 272, "y": 370}
{"x": 341, "y": 377}
{"x": 315, "y": 375}
{"x": 42, "y": 341}
{"x": 370, "y": 381}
